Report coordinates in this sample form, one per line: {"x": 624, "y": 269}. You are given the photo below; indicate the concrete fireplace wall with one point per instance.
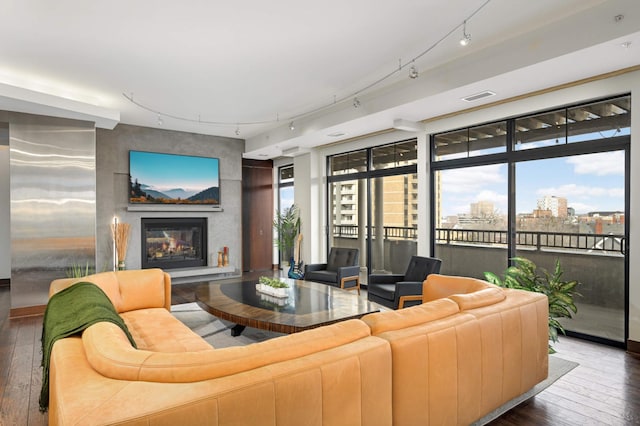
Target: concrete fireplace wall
{"x": 112, "y": 175}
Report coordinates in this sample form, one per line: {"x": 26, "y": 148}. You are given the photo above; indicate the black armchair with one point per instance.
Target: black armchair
{"x": 341, "y": 270}
{"x": 395, "y": 290}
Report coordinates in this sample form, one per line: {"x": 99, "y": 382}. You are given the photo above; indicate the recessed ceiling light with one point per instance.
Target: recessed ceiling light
{"x": 336, "y": 134}
{"x": 479, "y": 96}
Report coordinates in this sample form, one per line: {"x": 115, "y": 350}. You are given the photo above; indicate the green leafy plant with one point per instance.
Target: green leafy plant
{"x": 272, "y": 282}
{"x": 523, "y": 275}
{"x": 287, "y": 226}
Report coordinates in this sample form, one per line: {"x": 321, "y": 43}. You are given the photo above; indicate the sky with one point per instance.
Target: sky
{"x": 590, "y": 182}
{"x": 166, "y": 171}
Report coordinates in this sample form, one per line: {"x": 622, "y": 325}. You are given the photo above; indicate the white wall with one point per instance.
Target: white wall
{"x": 5, "y": 229}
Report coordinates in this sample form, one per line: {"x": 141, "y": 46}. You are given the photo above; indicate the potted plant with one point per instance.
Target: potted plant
{"x": 524, "y": 275}
{"x": 287, "y": 227}
{"x": 272, "y": 287}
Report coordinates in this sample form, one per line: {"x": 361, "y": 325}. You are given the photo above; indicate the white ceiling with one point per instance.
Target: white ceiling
{"x": 276, "y": 62}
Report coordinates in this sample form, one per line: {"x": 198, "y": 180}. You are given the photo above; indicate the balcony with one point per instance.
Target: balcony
{"x": 595, "y": 260}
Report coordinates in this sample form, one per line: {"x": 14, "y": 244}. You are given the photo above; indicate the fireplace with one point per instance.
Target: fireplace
{"x": 170, "y": 243}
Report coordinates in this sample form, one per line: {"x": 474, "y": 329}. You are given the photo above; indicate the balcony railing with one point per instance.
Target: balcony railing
{"x": 390, "y": 232}
{"x": 601, "y": 243}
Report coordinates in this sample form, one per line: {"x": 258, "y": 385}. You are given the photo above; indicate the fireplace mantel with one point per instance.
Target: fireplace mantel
{"x": 202, "y": 273}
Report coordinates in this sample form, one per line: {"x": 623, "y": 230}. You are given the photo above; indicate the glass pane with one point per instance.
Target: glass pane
{"x": 351, "y": 162}
{"x": 348, "y": 221}
{"x": 394, "y": 209}
{"x": 540, "y": 130}
{"x": 286, "y": 200}
{"x": 471, "y": 142}
{"x": 471, "y": 220}
{"x": 286, "y": 174}
{"x": 395, "y": 155}
{"x": 451, "y": 145}
{"x": 574, "y": 212}
{"x": 488, "y": 139}
{"x": 600, "y": 120}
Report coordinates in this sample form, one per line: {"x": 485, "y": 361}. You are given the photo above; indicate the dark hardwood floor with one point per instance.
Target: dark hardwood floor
{"x": 604, "y": 389}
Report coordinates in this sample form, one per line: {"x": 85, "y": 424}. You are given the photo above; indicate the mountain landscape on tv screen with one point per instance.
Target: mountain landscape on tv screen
{"x": 141, "y": 193}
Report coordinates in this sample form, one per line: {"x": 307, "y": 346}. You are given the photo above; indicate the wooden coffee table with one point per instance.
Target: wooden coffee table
{"x": 308, "y": 305}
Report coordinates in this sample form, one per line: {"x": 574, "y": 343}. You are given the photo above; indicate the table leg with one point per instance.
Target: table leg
{"x": 237, "y": 330}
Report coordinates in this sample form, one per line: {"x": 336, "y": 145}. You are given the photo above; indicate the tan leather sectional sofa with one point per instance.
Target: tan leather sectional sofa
{"x": 450, "y": 360}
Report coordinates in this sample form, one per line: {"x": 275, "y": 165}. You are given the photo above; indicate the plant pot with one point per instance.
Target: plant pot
{"x": 280, "y": 292}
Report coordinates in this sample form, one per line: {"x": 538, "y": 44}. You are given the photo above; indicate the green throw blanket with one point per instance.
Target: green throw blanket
{"x": 69, "y": 312}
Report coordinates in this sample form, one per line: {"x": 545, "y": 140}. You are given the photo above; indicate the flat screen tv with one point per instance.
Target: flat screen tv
{"x": 156, "y": 178}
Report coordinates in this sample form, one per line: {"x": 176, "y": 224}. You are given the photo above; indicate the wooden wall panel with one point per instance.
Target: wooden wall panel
{"x": 257, "y": 215}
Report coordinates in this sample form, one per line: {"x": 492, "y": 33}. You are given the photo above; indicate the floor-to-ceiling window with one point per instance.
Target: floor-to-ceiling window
{"x": 373, "y": 204}
{"x": 285, "y": 196}
{"x": 547, "y": 186}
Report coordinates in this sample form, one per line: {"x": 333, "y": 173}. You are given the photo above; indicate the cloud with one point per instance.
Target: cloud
{"x": 473, "y": 179}
{"x": 572, "y": 191}
{"x": 584, "y": 207}
{"x": 601, "y": 164}
{"x": 499, "y": 200}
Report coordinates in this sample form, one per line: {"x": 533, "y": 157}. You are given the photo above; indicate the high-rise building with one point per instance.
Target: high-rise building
{"x": 557, "y": 205}
{"x": 482, "y": 209}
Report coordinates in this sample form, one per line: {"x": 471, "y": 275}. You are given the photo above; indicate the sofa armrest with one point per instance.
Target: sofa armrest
{"x": 385, "y": 278}
{"x": 315, "y": 267}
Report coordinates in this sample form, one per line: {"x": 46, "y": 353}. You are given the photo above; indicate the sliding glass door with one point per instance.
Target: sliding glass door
{"x": 550, "y": 186}
{"x": 576, "y": 215}
{"x": 373, "y": 205}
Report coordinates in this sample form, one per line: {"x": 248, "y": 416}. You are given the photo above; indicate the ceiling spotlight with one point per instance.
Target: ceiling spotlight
{"x": 291, "y": 126}
{"x": 466, "y": 38}
{"x": 626, "y": 44}
{"x": 413, "y": 72}
{"x": 238, "y": 131}
{"x": 356, "y": 102}
{"x": 160, "y": 121}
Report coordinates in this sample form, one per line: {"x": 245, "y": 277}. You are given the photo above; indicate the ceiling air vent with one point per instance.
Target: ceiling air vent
{"x": 478, "y": 96}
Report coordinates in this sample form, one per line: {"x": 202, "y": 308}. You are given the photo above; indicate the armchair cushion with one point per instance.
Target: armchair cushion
{"x": 419, "y": 268}
{"x": 386, "y": 289}
{"x": 321, "y": 275}
{"x": 339, "y": 257}
{"x": 342, "y": 262}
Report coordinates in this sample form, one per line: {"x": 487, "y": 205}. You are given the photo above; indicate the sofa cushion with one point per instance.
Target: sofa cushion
{"x": 438, "y": 286}
{"x": 477, "y": 299}
{"x": 109, "y": 352}
{"x": 157, "y": 330}
{"x": 128, "y": 290}
{"x": 381, "y": 322}
{"x": 143, "y": 288}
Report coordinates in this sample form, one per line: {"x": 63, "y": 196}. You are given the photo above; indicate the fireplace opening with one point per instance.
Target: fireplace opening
{"x": 170, "y": 243}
